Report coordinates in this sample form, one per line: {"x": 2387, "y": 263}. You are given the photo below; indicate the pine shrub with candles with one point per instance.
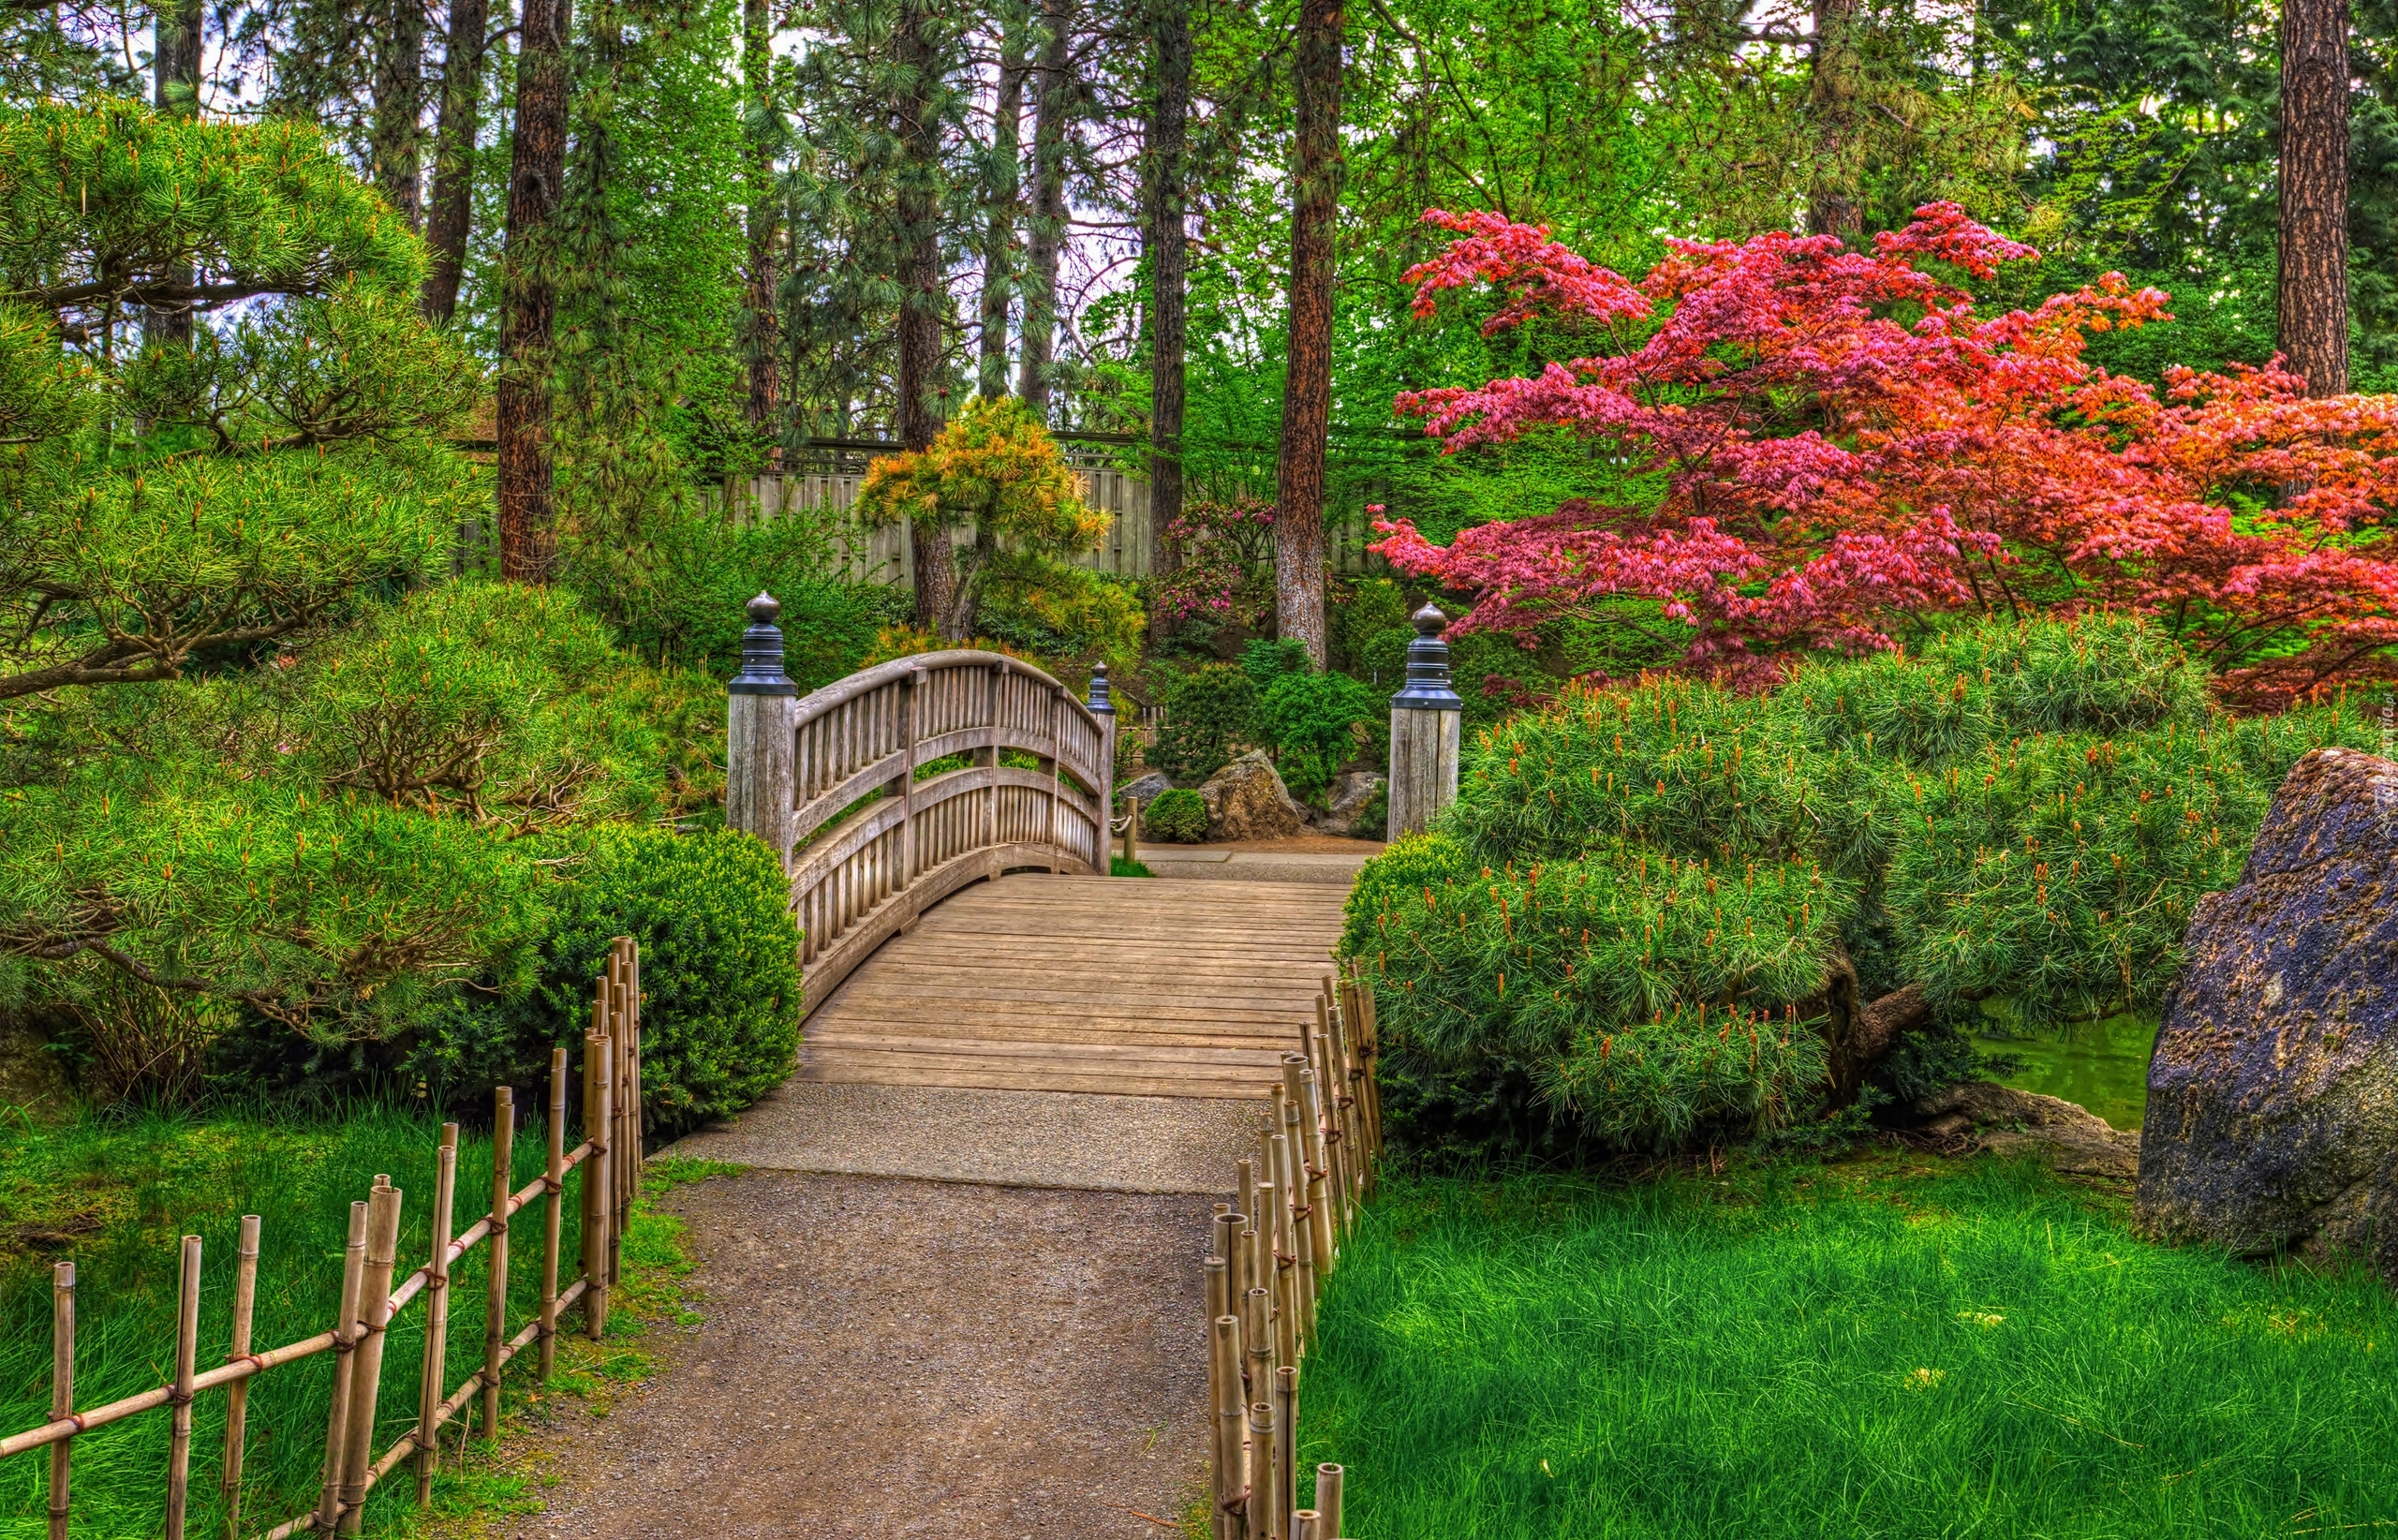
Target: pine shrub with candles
{"x": 1666, "y": 912}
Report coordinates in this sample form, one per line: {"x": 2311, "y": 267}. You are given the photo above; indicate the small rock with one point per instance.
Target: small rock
{"x": 1145, "y": 786}
{"x": 1351, "y": 793}
{"x": 2069, "y": 1138}
{"x": 2273, "y": 1098}
{"x": 1247, "y": 800}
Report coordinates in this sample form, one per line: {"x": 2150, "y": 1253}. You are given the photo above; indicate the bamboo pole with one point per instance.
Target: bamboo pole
{"x": 1286, "y": 1443}
{"x": 366, "y": 1374}
{"x": 1261, "y": 1470}
{"x": 1315, "y": 1261}
{"x": 554, "y": 1187}
{"x": 1235, "y": 1254}
{"x": 598, "y": 1182}
{"x": 1306, "y": 1524}
{"x": 1327, "y": 1499}
{"x": 437, "y": 1317}
{"x": 1231, "y": 1482}
{"x": 1319, "y": 1209}
{"x": 1246, "y": 1186}
{"x": 237, "y": 1394}
{"x": 62, "y": 1390}
{"x": 1217, "y": 1273}
{"x": 186, "y": 1365}
{"x": 1262, "y": 1259}
{"x": 629, "y": 1158}
{"x": 503, "y": 1172}
{"x": 1336, "y": 1156}
{"x": 345, "y": 1336}
{"x": 1257, "y": 1345}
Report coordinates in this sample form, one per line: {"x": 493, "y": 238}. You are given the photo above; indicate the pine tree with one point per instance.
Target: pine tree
{"x": 1307, "y": 391}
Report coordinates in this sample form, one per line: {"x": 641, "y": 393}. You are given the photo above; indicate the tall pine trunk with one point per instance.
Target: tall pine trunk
{"x": 763, "y": 355}
{"x": 399, "y": 107}
{"x": 1164, "y": 235}
{"x": 527, "y": 514}
{"x": 2313, "y": 319}
{"x": 1307, "y": 392}
{"x": 1004, "y": 189}
{"x": 449, "y": 216}
{"x": 1835, "y": 195}
{"x": 174, "y": 83}
{"x": 920, "y": 294}
{"x": 1047, "y": 234}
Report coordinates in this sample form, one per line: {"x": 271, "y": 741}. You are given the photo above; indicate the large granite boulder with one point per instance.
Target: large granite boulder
{"x": 2273, "y": 1099}
{"x": 1353, "y": 793}
{"x": 1146, "y": 787}
{"x": 1247, "y": 800}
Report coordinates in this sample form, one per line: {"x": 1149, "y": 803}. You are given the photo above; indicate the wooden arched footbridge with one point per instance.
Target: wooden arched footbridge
{"x": 945, "y": 821}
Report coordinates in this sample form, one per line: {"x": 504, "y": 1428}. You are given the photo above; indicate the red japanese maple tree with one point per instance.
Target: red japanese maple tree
{"x": 1846, "y": 446}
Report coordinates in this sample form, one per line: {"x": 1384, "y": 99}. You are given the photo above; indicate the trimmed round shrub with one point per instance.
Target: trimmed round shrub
{"x": 719, "y": 963}
{"x": 1179, "y": 818}
{"x": 719, "y": 976}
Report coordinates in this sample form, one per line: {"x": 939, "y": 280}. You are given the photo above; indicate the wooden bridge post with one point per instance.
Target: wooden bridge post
{"x": 1102, "y": 706}
{"x": 1426, "y": 722}
{"x": 761, "y": 709}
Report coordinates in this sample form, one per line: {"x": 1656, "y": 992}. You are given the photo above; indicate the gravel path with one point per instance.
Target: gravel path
{"x": 1109, "y": 1144}
{"x": 887, "y": 1357}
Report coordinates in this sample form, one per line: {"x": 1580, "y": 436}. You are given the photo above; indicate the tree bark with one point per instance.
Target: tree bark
{"x": 537, "y": 171}
{"x": 1307, "y": 392}
{"x": 399, "y": 107}
{"x": 1164, "y": 235}
{"x": 2313, "y": 321}
{"x": 450, "y": 214}
{"x": 1046, "y": 236}
{"x": 920, "y": 296}
{"x": 763, "y": 323}
{"x": 1004, "y": 191}
{"x": 1835, "y": 193}
{"x": 174, "y": 69}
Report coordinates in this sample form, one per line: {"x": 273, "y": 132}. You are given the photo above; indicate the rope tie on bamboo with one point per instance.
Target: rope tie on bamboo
{"x": 1283, "y": 1260}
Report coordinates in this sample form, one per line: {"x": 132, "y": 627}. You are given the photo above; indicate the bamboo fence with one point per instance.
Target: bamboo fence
{"x": 1298, "y": 1202}
{"x": 610, "y": 1158}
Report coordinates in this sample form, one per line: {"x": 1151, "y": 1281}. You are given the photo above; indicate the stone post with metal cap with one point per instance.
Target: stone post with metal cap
{"x": 1426, "y": 719}
{"x": 762, "y": 731}
{"x": 1102, "y": 706}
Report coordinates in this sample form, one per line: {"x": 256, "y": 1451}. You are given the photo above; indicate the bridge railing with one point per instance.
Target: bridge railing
{"x": 888, "y": 791}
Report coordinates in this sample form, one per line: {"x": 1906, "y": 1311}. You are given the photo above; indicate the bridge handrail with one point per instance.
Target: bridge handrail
{"x": 835, "y": 784}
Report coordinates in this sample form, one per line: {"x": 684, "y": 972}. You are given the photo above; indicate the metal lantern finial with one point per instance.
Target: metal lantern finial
{"x": 1428, "y": 686}
{"x": 761, "y": 652}
{"x": 1102, "y": 703}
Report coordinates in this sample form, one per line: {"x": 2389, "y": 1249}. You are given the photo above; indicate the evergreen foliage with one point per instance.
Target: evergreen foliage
{"x": 1656, "y": 900}
{"x": 1179, "y": 817}
{"x": 1210, "y": 715}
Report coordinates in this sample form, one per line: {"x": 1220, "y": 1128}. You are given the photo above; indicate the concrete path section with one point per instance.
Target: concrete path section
{"x": 1224, "y": 863}
{"x": 882, "y": 1360}
{"x": 1100, "y": 1144}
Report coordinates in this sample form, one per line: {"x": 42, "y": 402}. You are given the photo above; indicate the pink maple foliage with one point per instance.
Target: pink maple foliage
{"x": 1846, "y": 447}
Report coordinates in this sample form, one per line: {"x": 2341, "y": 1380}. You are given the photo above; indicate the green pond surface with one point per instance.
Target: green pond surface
{"x": 2102, "y": 1065}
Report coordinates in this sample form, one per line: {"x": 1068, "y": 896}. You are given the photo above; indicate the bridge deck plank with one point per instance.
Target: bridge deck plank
{"x": 1085, "y": 983}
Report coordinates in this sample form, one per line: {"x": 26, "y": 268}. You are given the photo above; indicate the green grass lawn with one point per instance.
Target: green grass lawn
{"x": 1887, "y": 1346}
{"x": 113, "y": 1194}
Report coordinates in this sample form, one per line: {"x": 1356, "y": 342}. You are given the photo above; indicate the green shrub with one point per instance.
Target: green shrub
{"x": 1210, "y": 715}
{"x": 1319, "y": 722}
{"x": 1177, "y": 817}
{"x": 1661, "y": 902}
{"x": 719, "y": 976}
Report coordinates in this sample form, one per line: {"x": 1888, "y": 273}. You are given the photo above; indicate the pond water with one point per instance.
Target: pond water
{"x": 2102, "y": 1065}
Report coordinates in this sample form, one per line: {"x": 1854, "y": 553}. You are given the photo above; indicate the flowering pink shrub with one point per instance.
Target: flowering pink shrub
{"x": 1844, "y": 445}
{"x": 1227, "y": 568}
